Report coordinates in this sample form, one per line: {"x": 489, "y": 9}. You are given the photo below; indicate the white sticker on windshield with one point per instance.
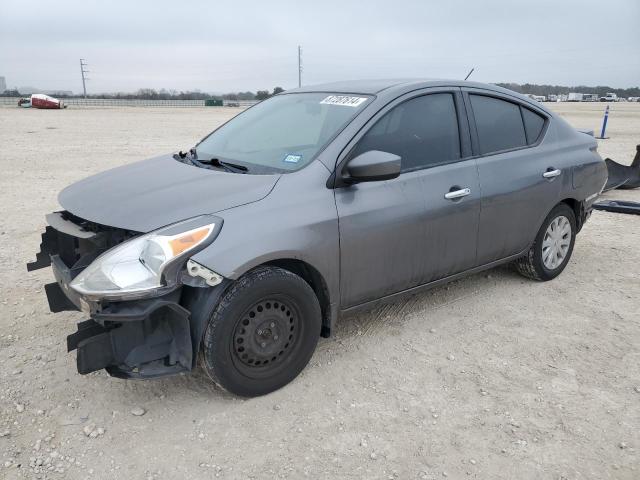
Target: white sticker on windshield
{"x": 344, "y": 100}
{"x": 292, "y": 158}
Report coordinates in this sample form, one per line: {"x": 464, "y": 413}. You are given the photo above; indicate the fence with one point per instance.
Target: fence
{"x": 121, "y": 102}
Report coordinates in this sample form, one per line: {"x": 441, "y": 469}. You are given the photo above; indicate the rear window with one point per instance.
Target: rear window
{"x": 533, "y": 125}
{"x": 499, "y": 124}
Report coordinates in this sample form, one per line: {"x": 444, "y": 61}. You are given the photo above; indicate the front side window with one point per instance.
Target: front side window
{"x": 498, "y": 123}
{"x": 283, "y": 133}
{"x": 423, "y": 131}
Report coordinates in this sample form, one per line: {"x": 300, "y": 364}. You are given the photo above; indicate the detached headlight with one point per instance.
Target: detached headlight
{"x": 145, "y": 264}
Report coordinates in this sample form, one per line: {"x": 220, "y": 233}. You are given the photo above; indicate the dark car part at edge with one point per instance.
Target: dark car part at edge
{"x": 624, "y": 177}
{"x": 618, "y": 206}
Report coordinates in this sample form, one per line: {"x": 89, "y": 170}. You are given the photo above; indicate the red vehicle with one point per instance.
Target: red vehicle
{"x": 40, "y": 100}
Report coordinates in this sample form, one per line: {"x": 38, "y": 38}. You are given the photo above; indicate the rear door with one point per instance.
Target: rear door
{"x": 520, "y": 179}
{"x": 401, "y": 233}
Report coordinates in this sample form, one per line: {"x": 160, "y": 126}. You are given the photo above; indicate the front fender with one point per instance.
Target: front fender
{"x": 297, "y": 221}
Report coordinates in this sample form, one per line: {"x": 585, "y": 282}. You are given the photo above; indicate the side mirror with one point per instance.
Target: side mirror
{"x": 372, "y": 166}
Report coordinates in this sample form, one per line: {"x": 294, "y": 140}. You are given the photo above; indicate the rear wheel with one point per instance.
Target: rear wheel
{"x": 553, "y": 246}
{"x": 262, "y": 333}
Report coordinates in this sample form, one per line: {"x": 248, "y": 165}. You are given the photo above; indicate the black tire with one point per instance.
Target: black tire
{"x": 262, "y": 333}
{"x": 531, "y": 264}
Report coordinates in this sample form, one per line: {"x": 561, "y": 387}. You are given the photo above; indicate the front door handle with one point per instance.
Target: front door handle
{"x": 552, "y": 173}
{"x": 463, "y": 192}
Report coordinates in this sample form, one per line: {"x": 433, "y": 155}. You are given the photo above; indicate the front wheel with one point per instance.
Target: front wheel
{"x": 262, "y": 333}
{"x": 552, "y": 248}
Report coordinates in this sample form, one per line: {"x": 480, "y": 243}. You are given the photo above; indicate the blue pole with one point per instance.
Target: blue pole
{"x": 604, "y": 122}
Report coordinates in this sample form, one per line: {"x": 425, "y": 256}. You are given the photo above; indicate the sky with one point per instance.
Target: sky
{"x": 223, "y": 46}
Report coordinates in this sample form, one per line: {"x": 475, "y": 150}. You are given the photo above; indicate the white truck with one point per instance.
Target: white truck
{"x": 609, "y": 97}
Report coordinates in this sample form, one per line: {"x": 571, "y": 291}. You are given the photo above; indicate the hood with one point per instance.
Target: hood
{"x": 150, "y": 194}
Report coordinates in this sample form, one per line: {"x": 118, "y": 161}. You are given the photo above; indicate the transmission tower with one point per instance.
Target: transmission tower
{"x": 84, "y": 71}
{"x": 299, "y": 66}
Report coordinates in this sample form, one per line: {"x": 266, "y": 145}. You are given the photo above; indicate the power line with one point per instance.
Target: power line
{"x": 83, "y": 71}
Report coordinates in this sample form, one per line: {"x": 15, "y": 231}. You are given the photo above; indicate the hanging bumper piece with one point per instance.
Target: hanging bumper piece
{"x": 618, "y": 206}
{"x": 623, "y": 176}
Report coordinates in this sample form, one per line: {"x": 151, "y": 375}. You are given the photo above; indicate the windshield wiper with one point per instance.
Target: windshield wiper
{"x": 216, "y": 162}
{"x": 228, "y": 166}
{"x": 192, "y": 158}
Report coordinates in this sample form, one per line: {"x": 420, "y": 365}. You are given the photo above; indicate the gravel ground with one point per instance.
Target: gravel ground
{"x": 493, "y": 376}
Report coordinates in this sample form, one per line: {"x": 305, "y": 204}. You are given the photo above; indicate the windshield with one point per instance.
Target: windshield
{"x": 283, "y": 133}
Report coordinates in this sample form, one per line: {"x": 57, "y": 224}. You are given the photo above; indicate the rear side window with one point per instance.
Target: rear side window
{"x": 533, "y": 125}
{"x": 499, "y": 124}
{"x": 423, "y": 131}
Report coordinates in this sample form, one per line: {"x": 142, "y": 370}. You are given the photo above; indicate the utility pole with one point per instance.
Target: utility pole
{"x": 83, "y": 71}
{"x": 299, "y": 66}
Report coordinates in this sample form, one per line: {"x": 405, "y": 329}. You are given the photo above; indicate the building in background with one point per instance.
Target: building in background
{"x": 3, "y": 84}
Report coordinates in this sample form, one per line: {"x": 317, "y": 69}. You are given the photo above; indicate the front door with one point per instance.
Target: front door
{"x": 419, "y": 227}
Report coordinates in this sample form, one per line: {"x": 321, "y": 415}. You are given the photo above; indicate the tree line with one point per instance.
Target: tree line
{"x": 546, "y": 90}
{"x": 164, "y": 94}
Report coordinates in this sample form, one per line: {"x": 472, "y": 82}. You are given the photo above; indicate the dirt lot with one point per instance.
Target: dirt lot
{"x": 493, "y": 376}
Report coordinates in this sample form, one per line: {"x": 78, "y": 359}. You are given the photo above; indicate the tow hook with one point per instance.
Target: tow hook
{"x": 210, "y": 277}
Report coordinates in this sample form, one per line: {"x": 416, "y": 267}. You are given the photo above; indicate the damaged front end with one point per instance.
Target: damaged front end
{"x": 148, "y": 310}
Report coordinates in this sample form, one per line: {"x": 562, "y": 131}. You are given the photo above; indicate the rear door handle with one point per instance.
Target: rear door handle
{"x": 552, "y": 173}
{"x": 457, "y": 194}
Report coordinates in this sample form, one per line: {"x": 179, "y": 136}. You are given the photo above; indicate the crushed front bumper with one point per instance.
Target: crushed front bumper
{"x": 143, "y": 338}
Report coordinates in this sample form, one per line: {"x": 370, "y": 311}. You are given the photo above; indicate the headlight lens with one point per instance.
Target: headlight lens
{"x": 138, "y": 266}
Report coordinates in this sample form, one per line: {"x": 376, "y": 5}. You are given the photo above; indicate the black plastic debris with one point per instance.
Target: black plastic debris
{"x": 618, "y": 206}
{"x": 623, "y": 176}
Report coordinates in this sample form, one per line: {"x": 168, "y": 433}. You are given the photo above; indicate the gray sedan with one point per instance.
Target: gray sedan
{"x": 248, "y": 247}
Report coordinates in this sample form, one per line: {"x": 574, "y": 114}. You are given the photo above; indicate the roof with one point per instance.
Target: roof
{"x": 400, "y": 86}
{"x": 355, "y": 86}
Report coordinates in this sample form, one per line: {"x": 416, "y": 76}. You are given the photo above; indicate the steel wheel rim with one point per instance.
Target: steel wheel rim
{"x": 556, "y": 242}
{"x": 265, "y": 336}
